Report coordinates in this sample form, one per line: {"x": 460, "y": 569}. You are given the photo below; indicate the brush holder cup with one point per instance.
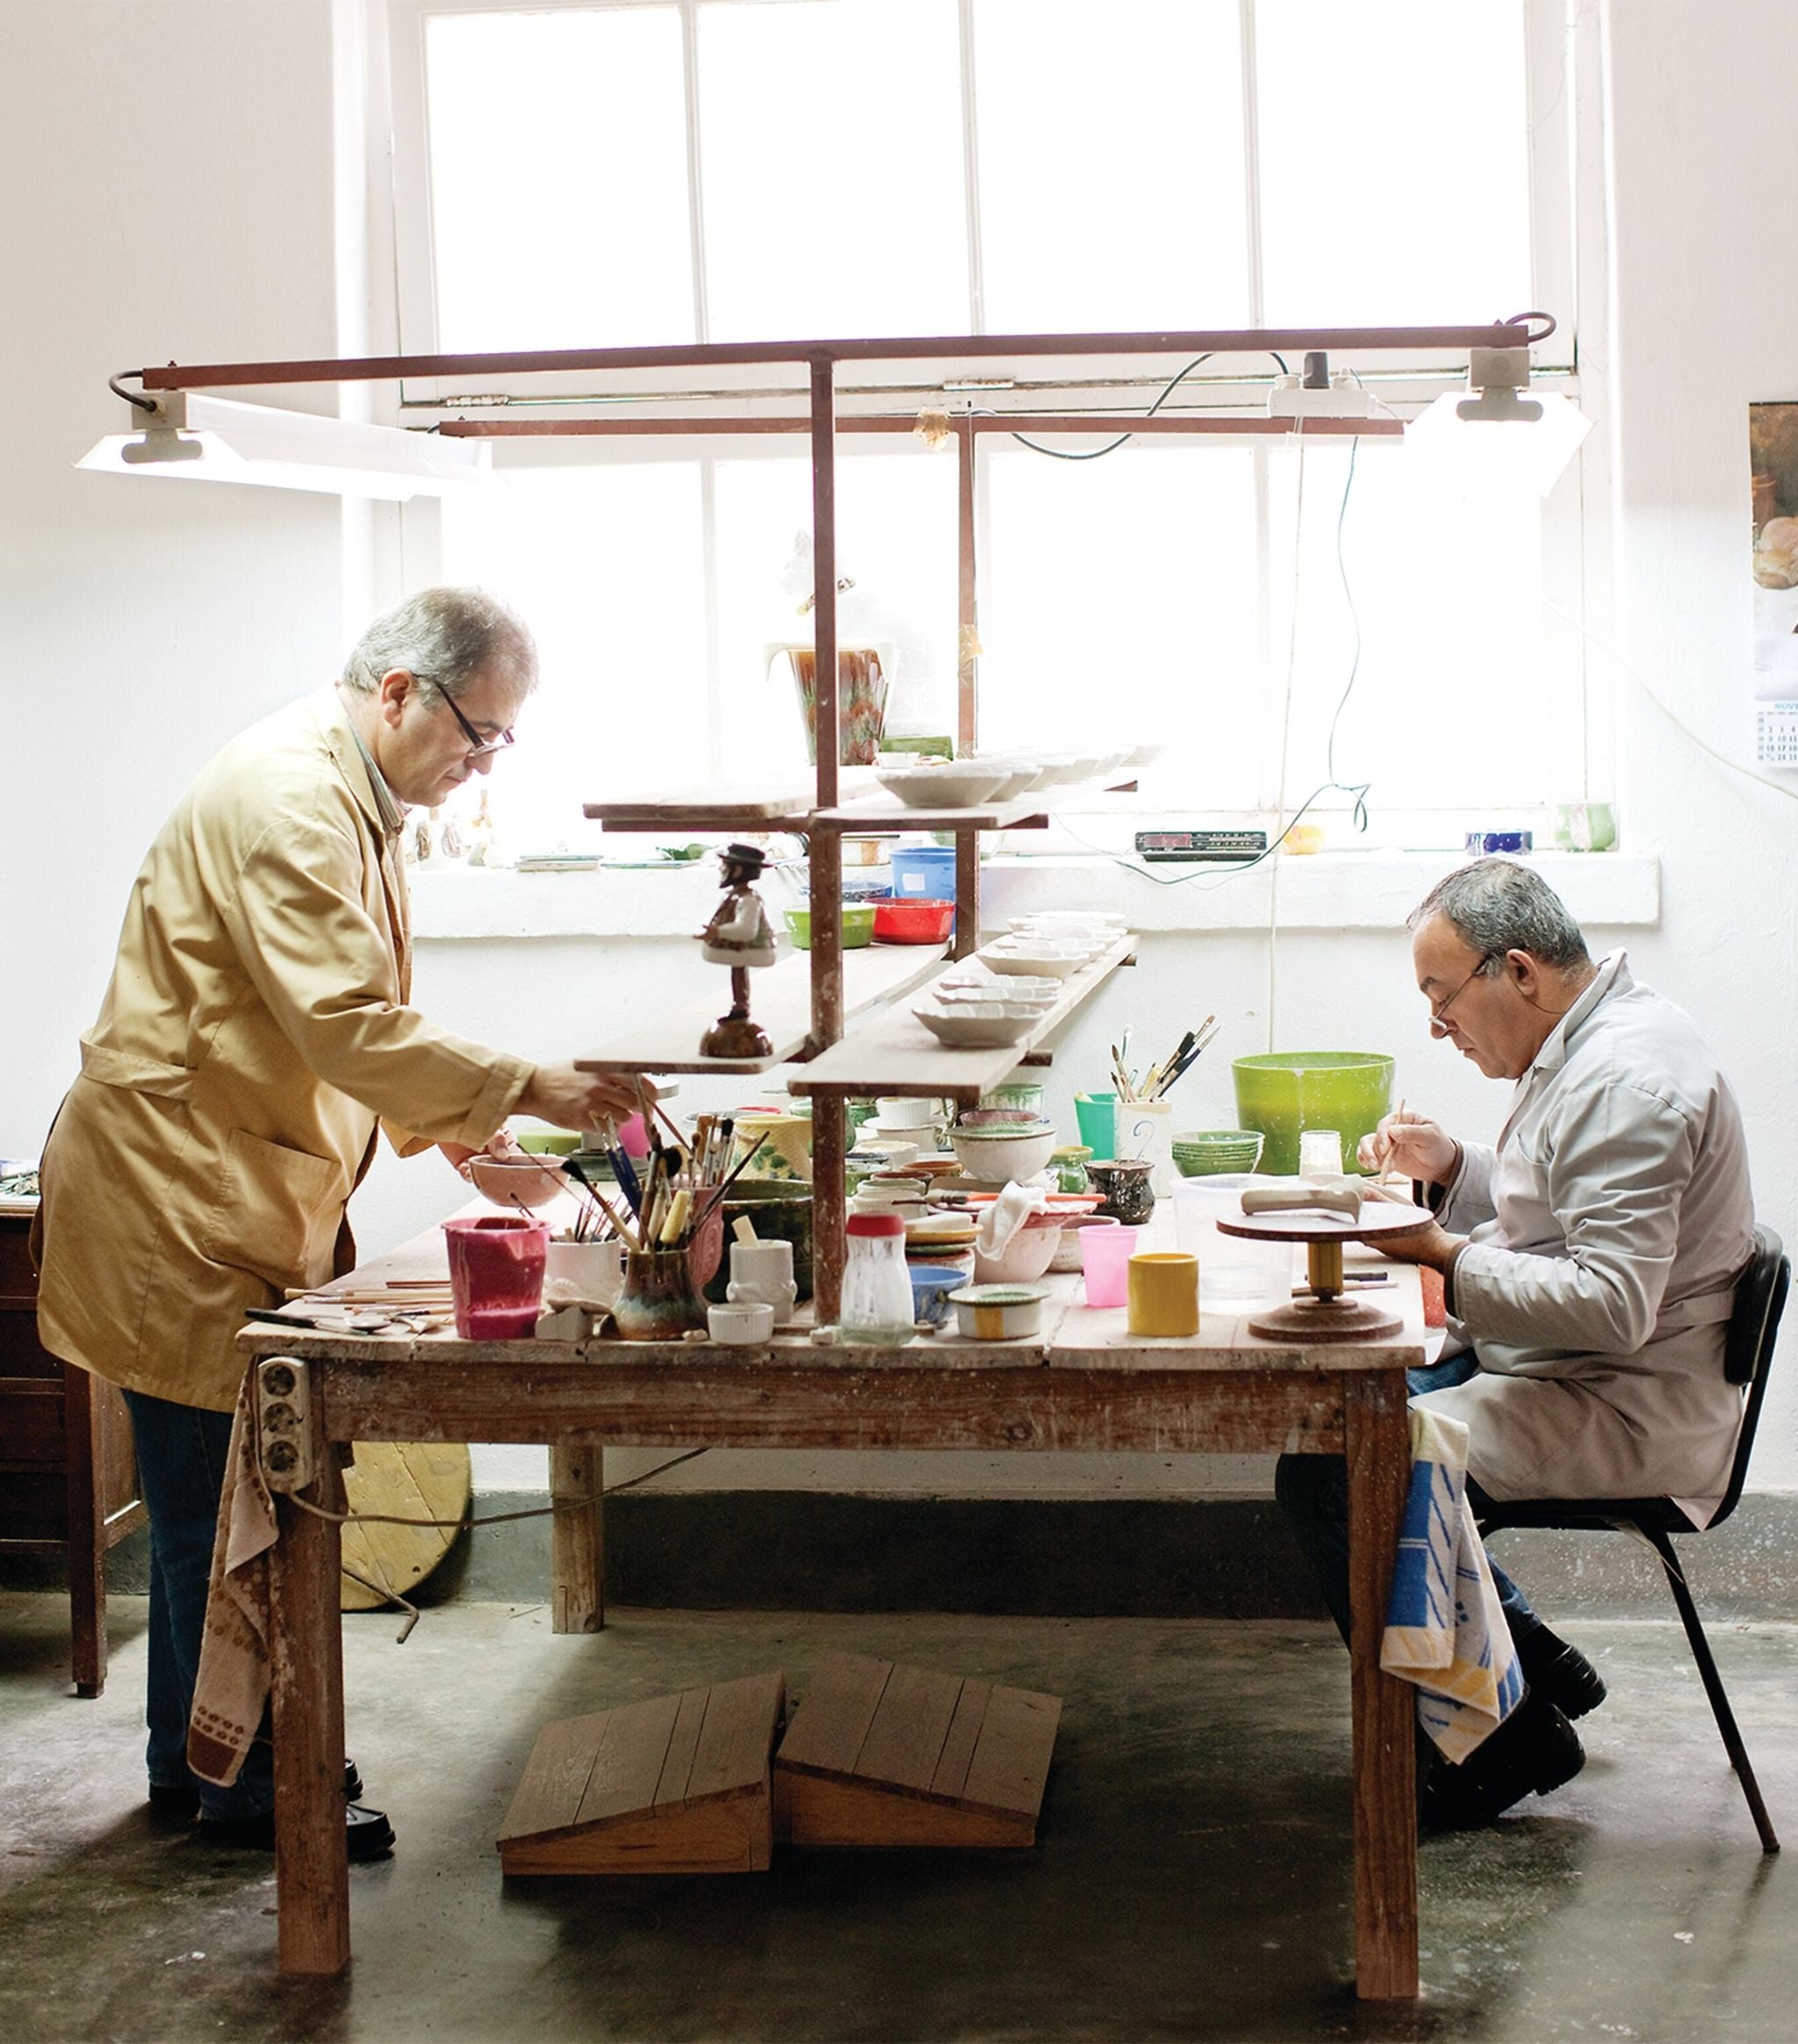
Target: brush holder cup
{"x": 660, "y": 1301}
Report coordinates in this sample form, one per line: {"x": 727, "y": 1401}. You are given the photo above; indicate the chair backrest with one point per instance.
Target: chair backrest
{"x": 1748, "y": 1346}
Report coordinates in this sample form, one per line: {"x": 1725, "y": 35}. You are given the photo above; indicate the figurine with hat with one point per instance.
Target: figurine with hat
{"x": 739, "y": 935}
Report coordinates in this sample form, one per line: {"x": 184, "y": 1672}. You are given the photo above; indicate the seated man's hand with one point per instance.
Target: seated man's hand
{"x": 1432, "y": 1246}
{"x": 1411, "y": 1144}
{"x": 567, "y": 1098}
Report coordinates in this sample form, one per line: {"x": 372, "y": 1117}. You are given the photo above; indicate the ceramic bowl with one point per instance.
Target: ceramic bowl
{"x": 858, "y": 925}
{"x": 1042, "y": 962}
{"x": 742, "y": 1321}
{"x": 516, "y": 1182}
{"x": 999, "y": 1313}
{"x": 979, "y": 1025}
{"x": 933, "y": 1287}
{"x": 998, "y": 1159}
{"x": 942, "y": 783}
{"x": 1019, "y": 774}
{"x": 896, "y": 1112}
{"x": 1023, "y": 1259}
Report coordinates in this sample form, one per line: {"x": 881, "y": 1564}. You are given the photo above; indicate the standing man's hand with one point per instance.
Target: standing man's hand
{"x": 1413, "y": 1144}
{"x": 567, "y": 1098}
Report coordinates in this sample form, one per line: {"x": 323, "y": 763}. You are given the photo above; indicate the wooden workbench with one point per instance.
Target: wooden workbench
{"x": 1083, "y": 1384}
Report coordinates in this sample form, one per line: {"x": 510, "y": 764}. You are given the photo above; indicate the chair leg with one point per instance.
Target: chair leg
{"x": 1714, "y": 1689}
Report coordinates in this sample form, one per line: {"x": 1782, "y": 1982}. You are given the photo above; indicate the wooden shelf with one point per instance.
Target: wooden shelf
{"x": 779, "y": 801}
{"x": 892, "y": 1053}
{"x": 886, "y": 812}
{"x": 780, "y": 1001}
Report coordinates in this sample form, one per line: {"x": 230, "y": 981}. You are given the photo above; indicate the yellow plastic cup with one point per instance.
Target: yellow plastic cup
{"x": 1164, "y": 1298}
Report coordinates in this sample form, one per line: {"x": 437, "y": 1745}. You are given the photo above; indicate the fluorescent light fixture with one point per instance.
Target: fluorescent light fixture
{"x": 1500, "y": 432}
{"x": 192, "y": 438}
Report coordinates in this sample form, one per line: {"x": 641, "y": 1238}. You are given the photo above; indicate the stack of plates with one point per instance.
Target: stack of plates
{"x": 1206, "y": 1152}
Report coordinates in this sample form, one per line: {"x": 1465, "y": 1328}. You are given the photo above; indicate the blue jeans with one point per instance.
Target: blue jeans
{"x": 181, "y": 1456}
{"x": 1313, "y": 1493}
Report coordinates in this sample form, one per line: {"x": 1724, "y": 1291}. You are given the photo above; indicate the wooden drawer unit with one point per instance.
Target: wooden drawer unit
{"x": 67, "y": 1481}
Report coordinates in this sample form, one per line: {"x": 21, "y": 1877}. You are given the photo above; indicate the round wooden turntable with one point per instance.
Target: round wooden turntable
{"x": 1328, "y": 1314}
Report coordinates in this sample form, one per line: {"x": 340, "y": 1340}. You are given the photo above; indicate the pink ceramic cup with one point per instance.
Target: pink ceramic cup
{"x": 1105, "y": 1258}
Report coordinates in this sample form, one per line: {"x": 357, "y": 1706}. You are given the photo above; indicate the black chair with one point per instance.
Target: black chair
{"x": 1748, "y": 1354}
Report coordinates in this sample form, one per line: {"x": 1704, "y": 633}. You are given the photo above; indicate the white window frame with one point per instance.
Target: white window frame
{"x": 1563, "y": 57}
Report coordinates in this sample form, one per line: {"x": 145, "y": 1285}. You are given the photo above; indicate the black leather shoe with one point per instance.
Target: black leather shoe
{"x": 179, "y": 1802}
{"x": 1556, "y": 1670}
{"x": 367, "y": 1832}
{"x": 1535, "y": 1751}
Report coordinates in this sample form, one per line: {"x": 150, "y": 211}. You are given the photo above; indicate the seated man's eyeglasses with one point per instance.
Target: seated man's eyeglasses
{"x": 477, "y": 745}
{"x": 1438, "y": 1008}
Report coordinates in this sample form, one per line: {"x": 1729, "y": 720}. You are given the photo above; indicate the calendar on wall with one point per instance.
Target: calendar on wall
{"x": 1772, "y": 455}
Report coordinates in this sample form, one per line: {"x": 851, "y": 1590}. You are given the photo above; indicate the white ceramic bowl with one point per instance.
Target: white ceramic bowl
{"x": 979, "y": 1025}
{"x": 996, "y": 1158}
{"x": 1025, "y": 1258}
{"x": 942, "y": 783}
{"x": 897, "y": 1111}
{"x": 745, "y": 1321}
{"x": 990, "y": 1313}
{"x": 1060, "y": 963}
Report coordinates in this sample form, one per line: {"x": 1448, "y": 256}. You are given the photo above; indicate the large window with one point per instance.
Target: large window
{"x": 653, "y": 170}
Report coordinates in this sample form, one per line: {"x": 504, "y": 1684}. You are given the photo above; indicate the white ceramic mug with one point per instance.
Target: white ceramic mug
{"x": 761, "y": 1274}
{"x": 583, "y": 1273}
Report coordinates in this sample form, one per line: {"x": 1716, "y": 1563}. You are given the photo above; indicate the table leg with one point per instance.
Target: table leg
{"x": 1378, "y": 1444}
{"x": 578, "y": 1538}
{"x": 84, "y": 1431}
{"x": 305, "y": 1652}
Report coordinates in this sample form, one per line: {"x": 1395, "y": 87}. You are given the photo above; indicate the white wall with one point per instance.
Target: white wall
{"x": 166, "y": 168}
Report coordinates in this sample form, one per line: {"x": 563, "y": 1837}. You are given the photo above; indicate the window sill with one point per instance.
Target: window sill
{"x": 1333, "y": 891}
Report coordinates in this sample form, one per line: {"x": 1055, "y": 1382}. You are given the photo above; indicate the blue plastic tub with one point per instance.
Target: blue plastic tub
{"x": 925, "y": 873}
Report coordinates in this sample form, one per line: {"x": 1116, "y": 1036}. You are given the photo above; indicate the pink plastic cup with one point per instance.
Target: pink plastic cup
{"x": 496, "y": 1275}
{"x": 1104, "y": 1258}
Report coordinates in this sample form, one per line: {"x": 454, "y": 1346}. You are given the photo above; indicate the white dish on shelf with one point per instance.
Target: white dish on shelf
{"x": 1040, "y": 963}
{"x": 942, "y": 783}
{"x": 979, "y": 1025}
{"x": 1032, "y": 992}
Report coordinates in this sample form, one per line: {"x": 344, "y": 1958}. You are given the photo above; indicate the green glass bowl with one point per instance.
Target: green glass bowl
{"x": 1282, "y": 1093}
{"x": 858, "y": 926}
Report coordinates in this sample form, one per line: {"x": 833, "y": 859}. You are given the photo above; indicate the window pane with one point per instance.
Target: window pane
{"x": 1121, "y": 603}
{"x": 895, "y": 539}
{"x": 1451, "y": 706}
{"x": 831, "y": 138}
{"x": 1394, "y": 157}
{"x": 605, "y": 565}
{"x": 1119, "y": 207}
{"x": 559, "y": 179}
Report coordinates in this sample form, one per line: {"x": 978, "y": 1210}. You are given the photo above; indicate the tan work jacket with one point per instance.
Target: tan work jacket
{"x": 254, "y": 1031}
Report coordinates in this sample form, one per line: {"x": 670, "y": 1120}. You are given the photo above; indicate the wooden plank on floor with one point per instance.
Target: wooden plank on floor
{"x": 628, "y": 1764}
{"x": 951, "y": 1776}
{"x": 547, "y": 1798}
{"x": 1011, "y": 1764}
{"x": 671, "y": 1791}
{"x": 742, "y": 1722}
{"x": 905, "y": 1740}
{"x": 834, "y": 1713}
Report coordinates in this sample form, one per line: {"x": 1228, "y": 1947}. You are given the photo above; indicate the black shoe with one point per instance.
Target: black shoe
{"x": 179, "y": 1802}
{"x": 1534, "y": 1750}
{"x": 367, "y": 1832}
{"x": 1559, "y": 1673}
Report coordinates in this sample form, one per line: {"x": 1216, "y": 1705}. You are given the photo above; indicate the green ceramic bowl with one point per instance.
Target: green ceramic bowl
{"x": 1209, "y": 1151}
{"x": 1282, "y": 1093}
{"x": 858, "y": 926}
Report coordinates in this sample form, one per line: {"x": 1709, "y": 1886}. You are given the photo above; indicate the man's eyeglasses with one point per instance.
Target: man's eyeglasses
{"x": 1438, "y": 1008}
{"x": 477, "y": 743}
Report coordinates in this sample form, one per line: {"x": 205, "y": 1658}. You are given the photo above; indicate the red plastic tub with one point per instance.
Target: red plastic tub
{"x": 913, "y": 922}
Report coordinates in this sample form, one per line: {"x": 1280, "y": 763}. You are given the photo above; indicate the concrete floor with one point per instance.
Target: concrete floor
{"x": 1191, "y": 1878}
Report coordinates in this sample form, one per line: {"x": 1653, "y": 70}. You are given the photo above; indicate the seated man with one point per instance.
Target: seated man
{"x": 1589, "y": 1263}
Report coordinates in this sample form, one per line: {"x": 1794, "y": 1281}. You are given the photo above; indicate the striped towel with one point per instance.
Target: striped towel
{"x": 1445, "y": 1629}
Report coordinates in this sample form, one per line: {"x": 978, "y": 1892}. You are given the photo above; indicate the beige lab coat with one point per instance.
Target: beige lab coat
{"x": 1612, "y": 1220}
{"x": 255, "y": 1029}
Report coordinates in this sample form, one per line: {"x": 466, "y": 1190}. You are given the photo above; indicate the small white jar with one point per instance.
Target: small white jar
{"x": 761, "y": 1274}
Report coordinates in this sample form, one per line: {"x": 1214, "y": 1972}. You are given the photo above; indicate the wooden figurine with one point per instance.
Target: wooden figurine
{"x": 739, "y": 935}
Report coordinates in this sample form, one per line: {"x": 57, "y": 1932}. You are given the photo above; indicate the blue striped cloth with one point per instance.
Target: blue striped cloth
{"x": 1445, "y": 1629}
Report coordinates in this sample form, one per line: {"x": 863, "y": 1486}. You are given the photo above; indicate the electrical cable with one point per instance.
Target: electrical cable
{"x": 142, "y": 403}
{"x": 1094, "y": 453}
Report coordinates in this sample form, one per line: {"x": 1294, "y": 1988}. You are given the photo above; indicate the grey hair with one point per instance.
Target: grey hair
{"x": 1496, "y": 905}
{"x": 445, "y": 637}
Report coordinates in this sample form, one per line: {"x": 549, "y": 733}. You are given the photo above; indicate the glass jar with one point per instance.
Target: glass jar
{"x": 877, "y": 1308}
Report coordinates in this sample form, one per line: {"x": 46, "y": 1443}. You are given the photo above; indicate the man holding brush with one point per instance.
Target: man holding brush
{"x": 1589, "y": 1263}
{"x": 256, "y": 1036}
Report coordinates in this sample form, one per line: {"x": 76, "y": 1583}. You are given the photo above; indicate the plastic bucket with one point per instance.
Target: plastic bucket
{"x": 496, "y": 1275}
{"x": 1232, "y": 1271}
{"x": 924, "y": 873}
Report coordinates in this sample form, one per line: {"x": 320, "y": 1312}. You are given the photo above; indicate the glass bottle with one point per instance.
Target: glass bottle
{"x": 877, "y": 1308}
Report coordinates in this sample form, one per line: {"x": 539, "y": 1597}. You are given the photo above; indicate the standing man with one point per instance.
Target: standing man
{"x": 255, "y": 1036}
{"x": 1589, "y": 1263}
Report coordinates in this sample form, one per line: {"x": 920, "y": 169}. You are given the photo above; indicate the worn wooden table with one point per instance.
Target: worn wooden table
{"x": 1084, "y": 1383}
